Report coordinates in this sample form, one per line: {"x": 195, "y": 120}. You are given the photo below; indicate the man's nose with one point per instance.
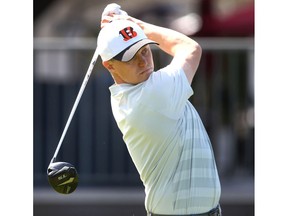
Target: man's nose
{"x": 142, "y": 61}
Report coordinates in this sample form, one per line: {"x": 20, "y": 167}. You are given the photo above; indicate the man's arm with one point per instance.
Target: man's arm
{"x": 185, "y": 51}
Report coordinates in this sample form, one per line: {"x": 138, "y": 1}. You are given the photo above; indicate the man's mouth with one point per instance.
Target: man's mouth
{"x": 148, "y": 70}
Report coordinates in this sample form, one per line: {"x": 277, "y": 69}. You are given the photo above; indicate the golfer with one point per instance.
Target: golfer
{"x": 162, "y": 130}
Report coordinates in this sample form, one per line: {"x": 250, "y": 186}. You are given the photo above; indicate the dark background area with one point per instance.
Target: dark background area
{"x": 40, "y": 6}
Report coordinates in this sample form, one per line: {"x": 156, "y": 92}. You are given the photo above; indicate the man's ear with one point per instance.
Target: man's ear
{"x": 108, "y": 65}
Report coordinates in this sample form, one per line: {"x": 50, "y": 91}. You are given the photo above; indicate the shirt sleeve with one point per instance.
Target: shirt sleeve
{"x": 167, "y": 91}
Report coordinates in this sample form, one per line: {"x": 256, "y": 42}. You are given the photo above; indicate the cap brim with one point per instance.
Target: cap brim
{"x": 127, "y": 54}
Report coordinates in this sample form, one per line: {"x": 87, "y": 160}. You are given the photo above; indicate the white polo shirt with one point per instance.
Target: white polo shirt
{"x": 167, "y": 143}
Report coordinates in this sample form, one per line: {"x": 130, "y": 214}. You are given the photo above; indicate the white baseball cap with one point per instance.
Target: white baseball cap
{"x": 121, "y": 40}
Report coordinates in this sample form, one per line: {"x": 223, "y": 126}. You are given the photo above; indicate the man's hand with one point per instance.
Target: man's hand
{"x": 109, "y": 11}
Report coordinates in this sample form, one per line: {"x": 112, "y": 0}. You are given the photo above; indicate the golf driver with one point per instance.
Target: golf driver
{"x": 62, "y": 176}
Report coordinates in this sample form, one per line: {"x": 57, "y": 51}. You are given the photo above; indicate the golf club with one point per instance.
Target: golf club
{"x": 62, "y": 176}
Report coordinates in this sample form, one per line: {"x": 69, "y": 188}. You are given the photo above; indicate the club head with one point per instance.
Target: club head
{"x": 63, "y": 177}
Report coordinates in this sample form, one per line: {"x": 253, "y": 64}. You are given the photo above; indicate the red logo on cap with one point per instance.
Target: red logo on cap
{"x": 128, "y": 33}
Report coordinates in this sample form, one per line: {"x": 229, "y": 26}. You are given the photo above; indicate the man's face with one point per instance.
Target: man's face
{"x": 135, "y": 71}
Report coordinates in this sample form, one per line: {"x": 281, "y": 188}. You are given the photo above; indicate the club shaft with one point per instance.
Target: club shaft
{"x": 82, "y": 88}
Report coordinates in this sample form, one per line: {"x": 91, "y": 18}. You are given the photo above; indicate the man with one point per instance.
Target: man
{"x": 162, "y": 130}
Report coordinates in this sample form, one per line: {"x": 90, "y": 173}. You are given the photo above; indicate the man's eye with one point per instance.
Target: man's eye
{"x": 144, "y": 51}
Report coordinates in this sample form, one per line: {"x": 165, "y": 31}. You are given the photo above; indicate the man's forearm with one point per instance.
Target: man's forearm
{"x": 185, "y": 51}
{"x": 169, "y": 40}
